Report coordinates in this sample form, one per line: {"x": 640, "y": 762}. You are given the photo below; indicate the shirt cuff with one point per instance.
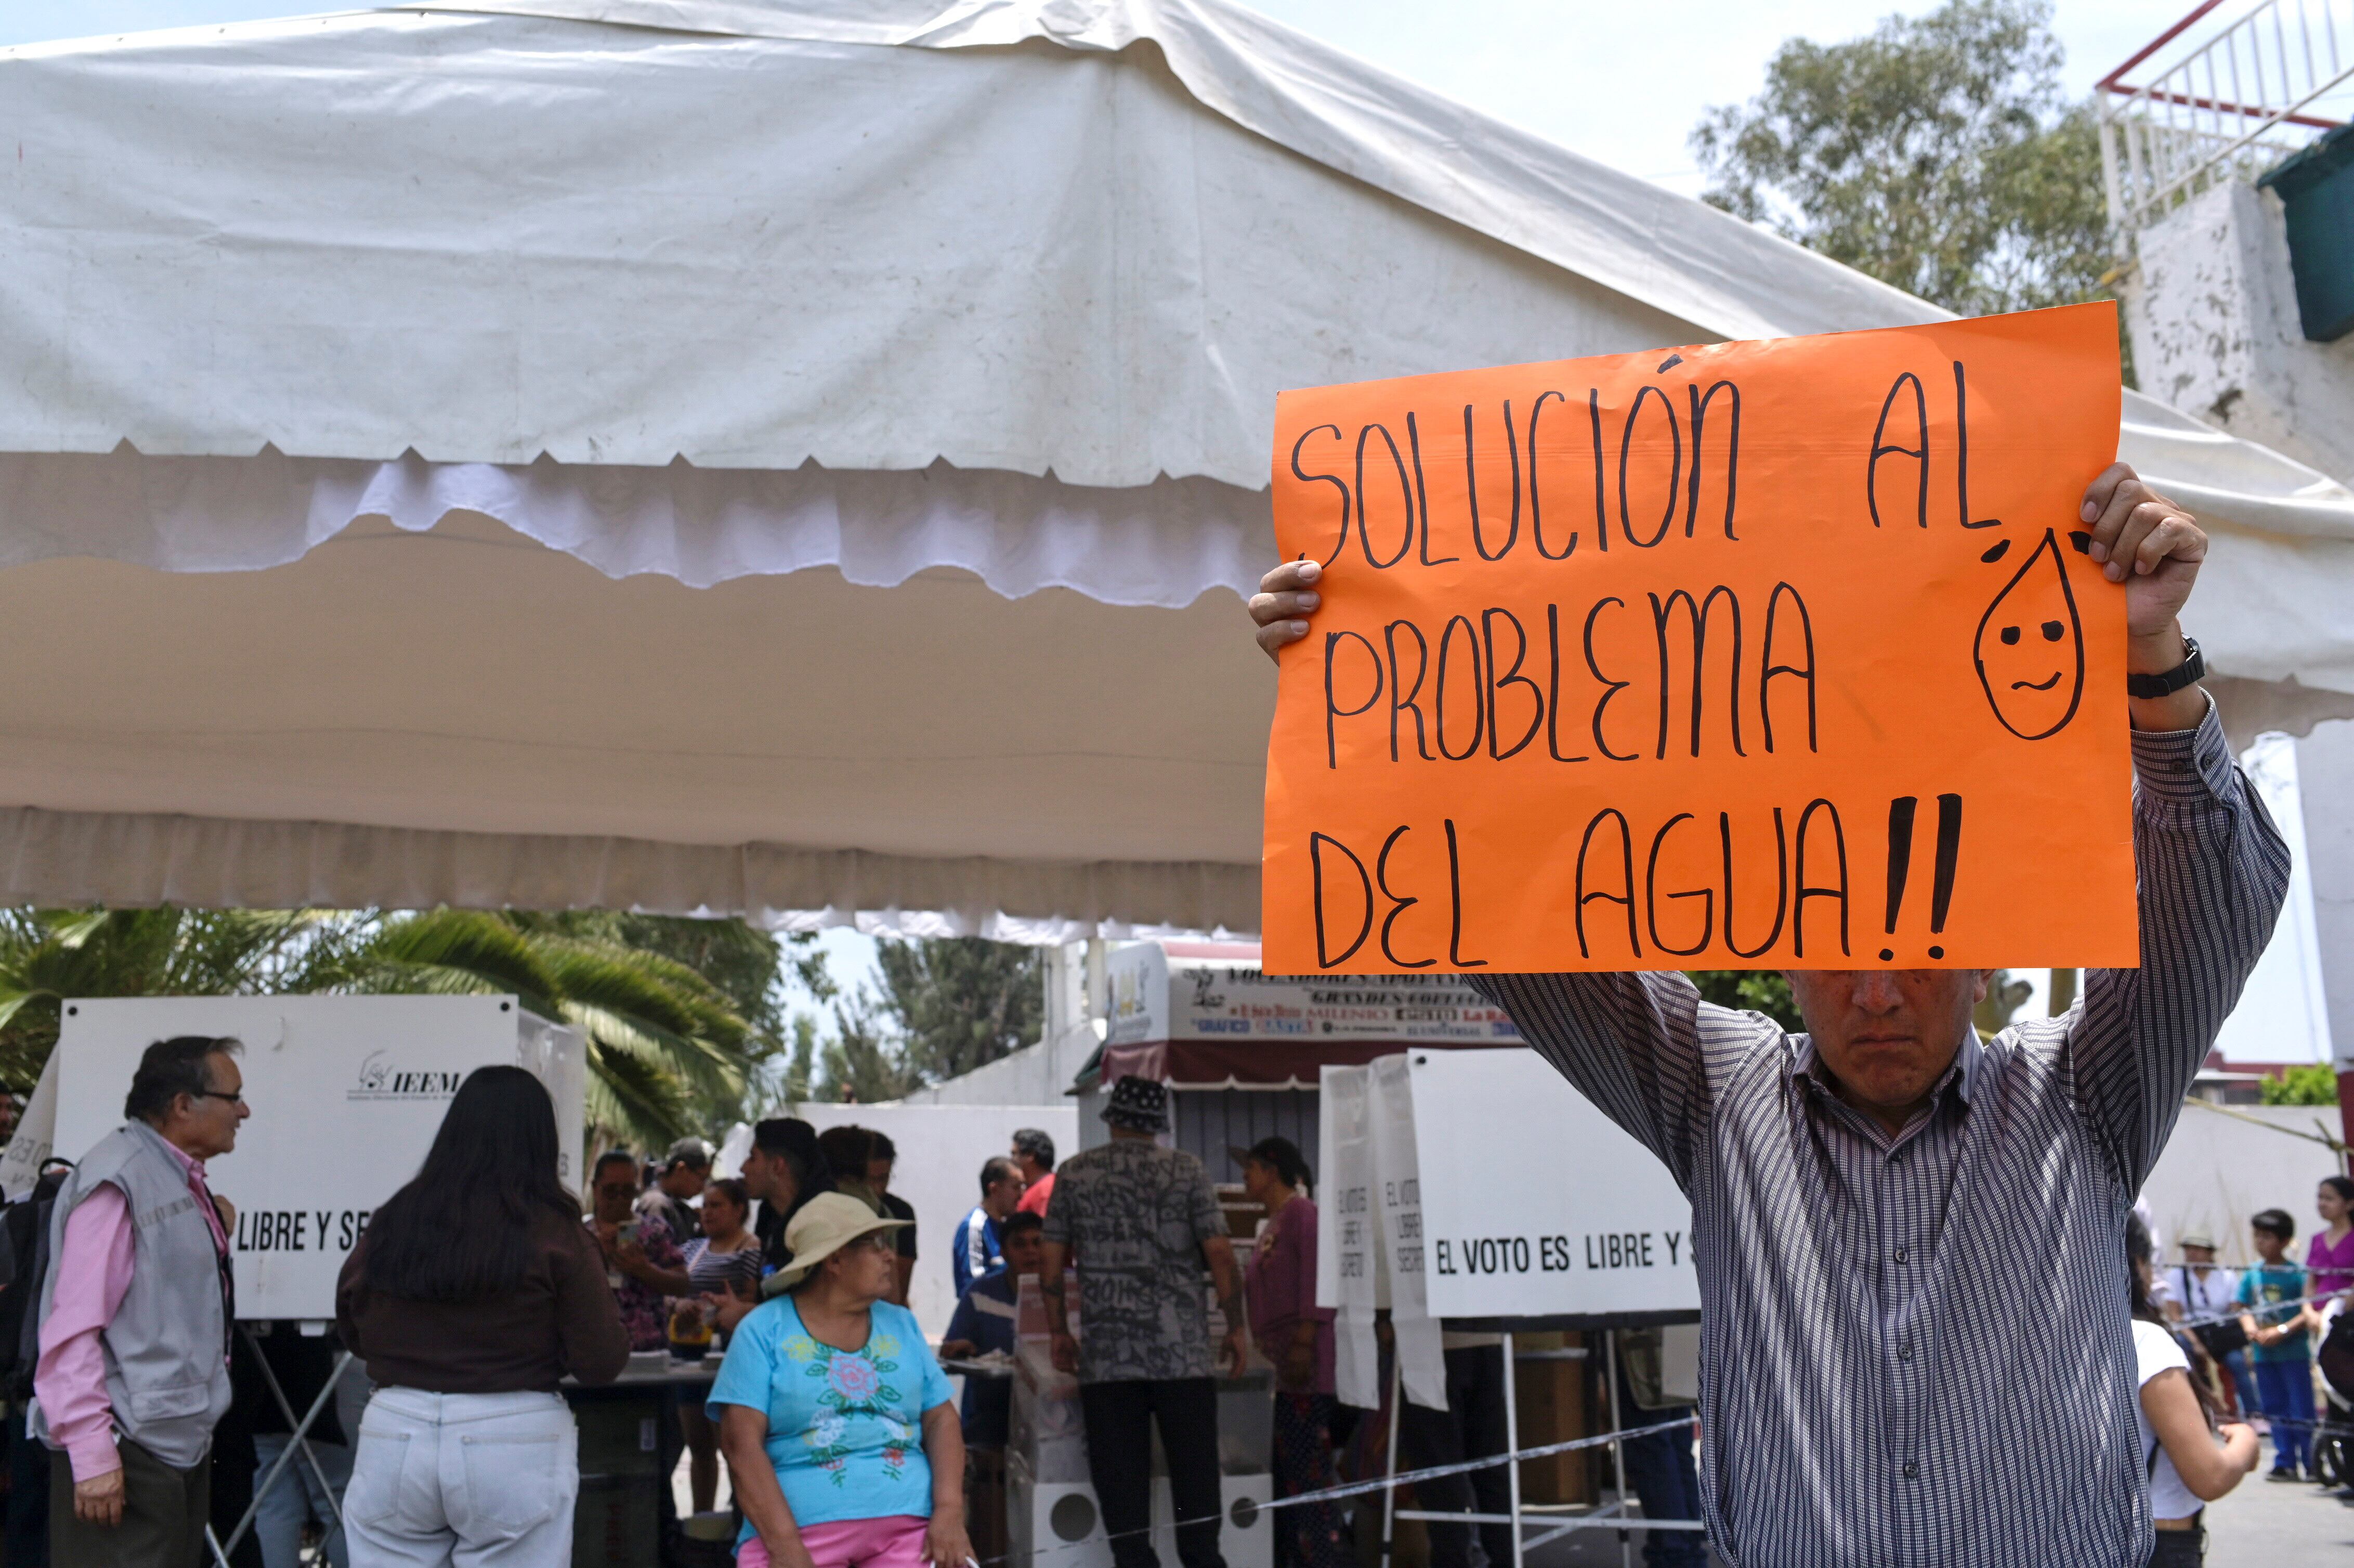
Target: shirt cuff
{"x": 94, "y": 1454}
{"x": 2185, "y": 764}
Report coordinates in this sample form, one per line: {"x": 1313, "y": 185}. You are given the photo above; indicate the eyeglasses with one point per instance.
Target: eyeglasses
{"x": 220, "y": 1095}
{"x": 880, "y": 1241}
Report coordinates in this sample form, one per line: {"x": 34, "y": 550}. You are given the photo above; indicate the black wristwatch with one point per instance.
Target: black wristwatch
{"x": 2192, "y": 667}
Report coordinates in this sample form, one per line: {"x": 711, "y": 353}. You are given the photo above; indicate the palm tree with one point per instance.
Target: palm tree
{"x": 664, "y": 1044}
{"x": 49, "y": 955}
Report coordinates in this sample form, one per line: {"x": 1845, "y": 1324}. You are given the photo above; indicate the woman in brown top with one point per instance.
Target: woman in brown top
{"x": 472, "y": 1294}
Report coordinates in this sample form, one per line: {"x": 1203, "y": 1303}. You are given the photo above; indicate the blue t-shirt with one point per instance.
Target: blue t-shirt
{"x": 2260, "y": 1288}
{"x": 845, "y": 1427}
{"x": 985, "y": 1316}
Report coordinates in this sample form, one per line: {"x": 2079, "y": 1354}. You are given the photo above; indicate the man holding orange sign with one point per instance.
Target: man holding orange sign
{"x": 1873, "y": 1390}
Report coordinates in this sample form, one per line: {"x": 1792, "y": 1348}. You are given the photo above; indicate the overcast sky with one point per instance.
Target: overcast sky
{"x": 1623, "y": 83}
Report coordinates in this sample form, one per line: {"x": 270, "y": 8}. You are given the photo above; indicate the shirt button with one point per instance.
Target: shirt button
{"x": 1904, "y": 1350}
{"x": 1904, "y": 1254}
{"x": 1912, "y": 1471}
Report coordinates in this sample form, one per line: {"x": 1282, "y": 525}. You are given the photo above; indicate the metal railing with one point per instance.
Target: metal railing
{"x": 2228, "y": 109}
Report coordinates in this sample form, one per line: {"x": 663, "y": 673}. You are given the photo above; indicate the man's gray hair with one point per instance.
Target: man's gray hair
{"x": 691, "y": 1152}
{"x": 170, "y": 1068}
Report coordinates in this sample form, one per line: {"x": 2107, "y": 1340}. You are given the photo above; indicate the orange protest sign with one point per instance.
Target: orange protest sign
{"x": 1747, "y": 654}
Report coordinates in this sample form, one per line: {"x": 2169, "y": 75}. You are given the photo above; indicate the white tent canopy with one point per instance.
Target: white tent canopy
{"x": 791, "y": 459}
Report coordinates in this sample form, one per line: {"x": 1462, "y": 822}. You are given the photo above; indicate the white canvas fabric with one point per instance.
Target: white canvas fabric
{"x": 1166, "y": 543}
{"x": 794, "y": 458}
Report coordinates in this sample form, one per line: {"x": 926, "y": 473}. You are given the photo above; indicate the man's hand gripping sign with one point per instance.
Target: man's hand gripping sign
{"x": 1799, "y": 653}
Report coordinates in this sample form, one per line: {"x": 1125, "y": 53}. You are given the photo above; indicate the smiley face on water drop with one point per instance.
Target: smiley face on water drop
{"x": 2031, "y": 647}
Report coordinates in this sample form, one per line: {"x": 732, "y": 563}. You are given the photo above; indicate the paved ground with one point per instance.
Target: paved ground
{"x": 2259, "y": 1525}
{"x": 2262, "y": 1525}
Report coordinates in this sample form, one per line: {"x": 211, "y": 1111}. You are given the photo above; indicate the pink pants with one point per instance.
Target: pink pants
{"x": 895, "y": 1540}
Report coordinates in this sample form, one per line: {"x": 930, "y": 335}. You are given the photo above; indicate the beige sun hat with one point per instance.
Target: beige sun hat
{"x": 826, "y": 1224}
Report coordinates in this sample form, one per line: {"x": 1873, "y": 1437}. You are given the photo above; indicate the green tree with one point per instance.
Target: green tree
{"x": 1935, "y": 154}
{"x": 2313, "y": 1086}
{"x": 49, "y": 955}
{"x": 1750, "y": 990}
{"x": 662, "y": 1042}
{"x": 744, "y": 965}
{"x": 801, "y": 1073}
{"x": 864, "y": 1059}
{"x": 961, "y": 1003}
{"x": 945, "y": 1006}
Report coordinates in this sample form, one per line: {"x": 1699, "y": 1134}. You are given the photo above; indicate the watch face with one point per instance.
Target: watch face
{"x": 2031, "y": 647}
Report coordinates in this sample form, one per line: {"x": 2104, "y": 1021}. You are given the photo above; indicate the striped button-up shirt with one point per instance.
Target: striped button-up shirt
{"x": 1916, "y": 1349}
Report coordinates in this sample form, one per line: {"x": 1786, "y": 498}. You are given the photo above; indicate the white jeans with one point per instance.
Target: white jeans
{"x": 463, "y": 1480}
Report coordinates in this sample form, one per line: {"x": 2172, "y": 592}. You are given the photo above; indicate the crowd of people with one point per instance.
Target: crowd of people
{"x": 2252, "y": 1337}
{"x": 481, "y": 1286}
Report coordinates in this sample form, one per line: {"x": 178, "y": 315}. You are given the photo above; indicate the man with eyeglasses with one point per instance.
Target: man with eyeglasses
{"x": 136, "y": 1317}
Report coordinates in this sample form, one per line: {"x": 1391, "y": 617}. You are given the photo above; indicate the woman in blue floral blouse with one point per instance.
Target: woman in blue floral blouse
{"x": 841, "y": 1441}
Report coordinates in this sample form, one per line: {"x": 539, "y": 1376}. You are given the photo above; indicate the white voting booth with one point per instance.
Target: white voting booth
{"x": 1480, "y": 1187}
{"x": 346, "y": 1092}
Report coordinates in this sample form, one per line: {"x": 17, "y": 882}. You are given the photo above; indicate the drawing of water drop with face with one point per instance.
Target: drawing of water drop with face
{"x": 2030, "y": 646}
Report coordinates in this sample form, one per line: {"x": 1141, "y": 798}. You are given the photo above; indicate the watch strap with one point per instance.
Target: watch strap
{"x": 2193, "y": 666}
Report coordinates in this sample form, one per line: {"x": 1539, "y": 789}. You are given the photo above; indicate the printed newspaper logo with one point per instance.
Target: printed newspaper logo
{"x": 381, "y": 1079}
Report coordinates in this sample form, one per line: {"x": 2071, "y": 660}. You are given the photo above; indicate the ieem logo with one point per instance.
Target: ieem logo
{"x": 383, "y": 1080}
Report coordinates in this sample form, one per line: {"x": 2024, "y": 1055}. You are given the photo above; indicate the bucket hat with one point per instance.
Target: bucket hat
{"x": 1138, "y": 1104}
{"x": 825, "y": 1224}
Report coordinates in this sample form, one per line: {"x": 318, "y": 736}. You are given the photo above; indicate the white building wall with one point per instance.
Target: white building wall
{"x": 2325, "y": 767}
{"x": 2210, "y": 305}
{"x": 2218, "y": 1170}
{"x": 941, "y": 1150}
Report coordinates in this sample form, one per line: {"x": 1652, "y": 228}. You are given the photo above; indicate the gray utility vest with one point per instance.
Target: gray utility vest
{"x": 167, "y": 1350}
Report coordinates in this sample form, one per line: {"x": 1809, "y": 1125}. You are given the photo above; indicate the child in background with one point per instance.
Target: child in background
{"x": 984, "y": 1323}
{"x": 2277, "y": 1343}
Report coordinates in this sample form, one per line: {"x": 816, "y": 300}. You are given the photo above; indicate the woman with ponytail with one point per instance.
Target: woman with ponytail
{"x": 2188, "y": 1469}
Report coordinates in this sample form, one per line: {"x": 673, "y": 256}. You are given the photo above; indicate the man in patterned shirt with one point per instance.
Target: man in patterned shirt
{"x": 1144, "y": 1221}
{"x": 1872, "y": 1391}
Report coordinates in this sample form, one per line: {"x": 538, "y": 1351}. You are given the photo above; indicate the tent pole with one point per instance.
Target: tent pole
{"x": 298, "y": 1445}
{"x": 1512, "y": 1440}
{"x": 1618, "y": 1448}
{"x": 1389, "y": 1459}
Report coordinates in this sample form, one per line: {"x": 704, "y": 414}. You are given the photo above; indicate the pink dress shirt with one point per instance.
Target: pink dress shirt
{"x": 93, "y": 1271}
